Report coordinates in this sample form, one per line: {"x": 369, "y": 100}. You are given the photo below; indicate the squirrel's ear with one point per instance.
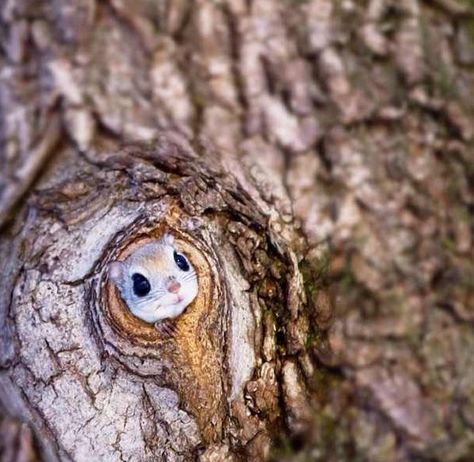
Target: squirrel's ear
{"x": 168, "y": 238}
{"x": 115, "y": 271}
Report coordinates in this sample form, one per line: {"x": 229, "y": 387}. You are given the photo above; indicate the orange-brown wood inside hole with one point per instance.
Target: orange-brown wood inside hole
{"x": 129, "y": 325}
{"x": 195, "y": 349}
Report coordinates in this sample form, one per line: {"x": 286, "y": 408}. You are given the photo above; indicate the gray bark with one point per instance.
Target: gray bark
{"x": 304, "y": 152}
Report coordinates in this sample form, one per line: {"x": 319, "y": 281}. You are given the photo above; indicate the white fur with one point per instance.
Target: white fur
{"x": 159, "y": 304}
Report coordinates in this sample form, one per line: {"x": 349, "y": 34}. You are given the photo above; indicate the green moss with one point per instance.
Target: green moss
{"x": 469, "y": 4}
{"x": 311, "y": 337}
{"x": 297, "y": 2}
{"x": 347, "y": 281}
{"x": 326, "y": 380}
{"x": 469, "y": 27}
{"x": 329, "y": 439}
{"x": 448, "y": 244}
{"x": 327, "y": 425}
{"x": 467, "y": 281}
{"x": 315, "y": 273}
{"x": 461, "y": 213}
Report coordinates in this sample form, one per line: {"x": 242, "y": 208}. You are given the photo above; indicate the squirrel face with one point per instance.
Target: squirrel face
{"x": 156, "y": 281}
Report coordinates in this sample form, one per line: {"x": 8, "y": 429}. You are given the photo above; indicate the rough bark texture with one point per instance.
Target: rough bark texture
{"x": 301, "y": 151}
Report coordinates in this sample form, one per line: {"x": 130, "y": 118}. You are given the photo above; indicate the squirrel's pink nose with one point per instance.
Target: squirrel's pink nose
{"x": 173, "y": 287}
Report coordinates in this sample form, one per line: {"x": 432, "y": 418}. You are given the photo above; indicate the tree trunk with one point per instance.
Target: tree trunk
{"x": 300, "y": 152}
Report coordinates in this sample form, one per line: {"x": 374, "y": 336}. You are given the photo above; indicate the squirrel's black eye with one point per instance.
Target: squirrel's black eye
{"x": 181, "y": 261}
{"x": 141, "y": 285}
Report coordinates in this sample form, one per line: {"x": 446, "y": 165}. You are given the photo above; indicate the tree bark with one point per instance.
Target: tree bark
{"x": 302, "y": 152}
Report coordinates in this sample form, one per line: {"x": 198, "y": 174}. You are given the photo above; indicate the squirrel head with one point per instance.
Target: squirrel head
{"x": 156, "y": 281}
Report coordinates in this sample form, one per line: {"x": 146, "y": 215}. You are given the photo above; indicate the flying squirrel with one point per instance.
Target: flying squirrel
{"x": 156, "y": 281}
